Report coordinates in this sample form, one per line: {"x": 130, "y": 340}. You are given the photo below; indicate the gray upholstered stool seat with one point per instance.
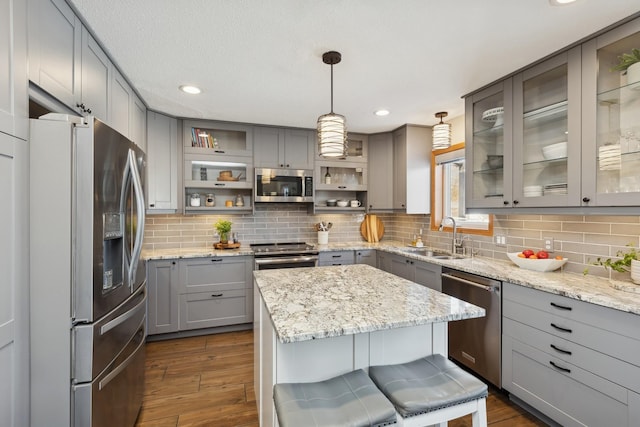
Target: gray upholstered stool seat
{"x": 351, "y": 399}
{"x": 427, "y": 385}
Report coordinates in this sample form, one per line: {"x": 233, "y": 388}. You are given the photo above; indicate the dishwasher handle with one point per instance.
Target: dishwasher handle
{"x": 468, "y": 282}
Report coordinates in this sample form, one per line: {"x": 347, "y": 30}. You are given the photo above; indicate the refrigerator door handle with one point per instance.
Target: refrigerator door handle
{"x": 140, "y": 207}
{"x": 123, "y": 317}
{"x": 116, "y": 371}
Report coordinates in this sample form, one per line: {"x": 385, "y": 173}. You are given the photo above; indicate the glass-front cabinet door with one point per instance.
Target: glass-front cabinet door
{"x": 488, "y": 127}
{"x": 546, "y": 133}
{"x": 612, "y": 119}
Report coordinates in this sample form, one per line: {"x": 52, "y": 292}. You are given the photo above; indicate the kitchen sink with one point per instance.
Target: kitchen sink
{"x": 430, "y": 253}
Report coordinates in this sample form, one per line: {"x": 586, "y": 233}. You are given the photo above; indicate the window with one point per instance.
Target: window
{"x": 447, "y": 193}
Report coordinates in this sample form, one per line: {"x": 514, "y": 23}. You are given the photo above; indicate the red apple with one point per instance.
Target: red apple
{"x": 542, "y": 255}
{"x": 527, "y": 253}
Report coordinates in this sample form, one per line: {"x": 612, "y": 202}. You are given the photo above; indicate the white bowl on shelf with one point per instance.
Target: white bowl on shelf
{"x": 542, "y": 265}
{"x": 555, "y": 151}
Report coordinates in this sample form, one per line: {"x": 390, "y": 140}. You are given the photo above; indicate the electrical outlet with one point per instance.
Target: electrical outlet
{"x": 500, "y": 240}
{"x": 548, "y": 244}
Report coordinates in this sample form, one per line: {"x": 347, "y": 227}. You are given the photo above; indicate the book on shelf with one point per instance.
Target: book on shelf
{"x": 202, "y": 139}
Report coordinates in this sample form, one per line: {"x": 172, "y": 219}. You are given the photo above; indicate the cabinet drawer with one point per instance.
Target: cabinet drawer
{"x": 574, "y": 398}
{"x": 219, "y": 308}
{"x": 614, "y": 370}
{"x": 336, "y": 258}
{"x": 213, "y": 273}
{"x": 603, "y": 329}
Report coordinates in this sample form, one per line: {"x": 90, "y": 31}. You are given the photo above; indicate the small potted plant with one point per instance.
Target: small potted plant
{"x": 628, "y": 261}
{"x": 224, "y": 228}
{"x": 629, "y": 63}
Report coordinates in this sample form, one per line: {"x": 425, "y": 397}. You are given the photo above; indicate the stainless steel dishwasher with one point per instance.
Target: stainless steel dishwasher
{"x": 476, "y": 343}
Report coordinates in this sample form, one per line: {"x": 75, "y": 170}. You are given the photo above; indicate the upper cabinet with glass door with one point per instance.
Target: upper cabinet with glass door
{"x": 546, "y": 133}
{"x": 488, "y": 116}
{"x": 611, "y": 124}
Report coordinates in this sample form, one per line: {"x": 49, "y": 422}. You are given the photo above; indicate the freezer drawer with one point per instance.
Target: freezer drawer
{"x": 96, "y": 345}
{"x": 115, "y": 397}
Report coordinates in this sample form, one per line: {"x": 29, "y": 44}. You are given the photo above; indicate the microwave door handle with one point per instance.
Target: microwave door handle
{"x": 139, "y": 195}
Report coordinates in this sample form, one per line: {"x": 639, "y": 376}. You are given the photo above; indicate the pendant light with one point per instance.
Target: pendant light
{"x": 441, "y": 133}
{"x": 332, "y": 128}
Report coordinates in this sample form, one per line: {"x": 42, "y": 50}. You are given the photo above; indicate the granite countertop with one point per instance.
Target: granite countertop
{"x": 176, "y": 253}
{"x": 619, "y": 295}
{"x": 311, "y": 303}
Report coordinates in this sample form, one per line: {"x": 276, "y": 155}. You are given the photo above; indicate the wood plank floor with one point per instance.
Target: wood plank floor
{"x": 207, "y": 381}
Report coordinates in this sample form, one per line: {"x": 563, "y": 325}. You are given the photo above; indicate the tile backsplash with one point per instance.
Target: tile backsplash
{"x": 580, "y": 238}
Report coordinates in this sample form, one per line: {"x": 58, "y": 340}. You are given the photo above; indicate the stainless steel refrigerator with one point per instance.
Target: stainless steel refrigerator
{"x": 87, "y": 284}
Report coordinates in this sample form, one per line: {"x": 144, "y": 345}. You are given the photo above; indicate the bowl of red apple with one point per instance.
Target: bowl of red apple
{"x": 537, "y": 261}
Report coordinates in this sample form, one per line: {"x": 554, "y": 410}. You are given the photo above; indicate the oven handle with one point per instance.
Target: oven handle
{"x": 468, "y": 282}
{"x": 288, "y": 260}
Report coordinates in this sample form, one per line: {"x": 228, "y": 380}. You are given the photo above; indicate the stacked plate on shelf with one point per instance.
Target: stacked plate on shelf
{"x": 494, "y": 115}
{"x": 560, "y": 188}
{"x": 532, "y": 191}
{"x": 609, "y": 157}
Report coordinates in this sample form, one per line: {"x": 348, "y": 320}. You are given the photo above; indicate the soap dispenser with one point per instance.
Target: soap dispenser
{"x": 419, "y": 243}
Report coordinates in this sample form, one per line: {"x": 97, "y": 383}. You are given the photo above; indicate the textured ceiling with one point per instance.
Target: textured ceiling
{"x": 260, "y": 61}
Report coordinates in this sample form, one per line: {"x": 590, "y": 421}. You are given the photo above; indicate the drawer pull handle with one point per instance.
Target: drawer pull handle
{"x": 216, "y": 259}
{"x": 560, "y": 350}
{"x": 561, "y": 307}
{"x": 216, "y": 295}
{"x": 336, "y": 256}
{"x": 560, "y": 368}
{"x": 561, "y": 329}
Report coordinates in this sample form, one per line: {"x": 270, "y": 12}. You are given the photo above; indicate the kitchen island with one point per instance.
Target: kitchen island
{"x": 311, "y": 324}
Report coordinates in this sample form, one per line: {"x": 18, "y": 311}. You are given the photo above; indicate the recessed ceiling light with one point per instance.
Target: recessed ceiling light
{"x": 560, "y": 2}
{"x": 190, "y": 89}
{"x": 381, "y": 113}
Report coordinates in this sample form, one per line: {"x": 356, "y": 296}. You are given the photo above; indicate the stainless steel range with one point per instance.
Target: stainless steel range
{"x": 284, "y": 255}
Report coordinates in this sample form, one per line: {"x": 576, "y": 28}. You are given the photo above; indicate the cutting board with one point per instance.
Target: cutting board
{"x": 372, "y": 228}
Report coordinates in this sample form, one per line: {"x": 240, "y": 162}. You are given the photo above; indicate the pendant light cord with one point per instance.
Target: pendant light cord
{"x": 331, "y": 88}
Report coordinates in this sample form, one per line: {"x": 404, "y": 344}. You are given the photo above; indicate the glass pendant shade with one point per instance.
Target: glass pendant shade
{"x": 332, "y": 135}
{"x": 441, "y": 133}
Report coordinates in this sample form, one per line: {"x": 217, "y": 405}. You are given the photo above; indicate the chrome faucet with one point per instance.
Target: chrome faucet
{"x": 454, "y": 240}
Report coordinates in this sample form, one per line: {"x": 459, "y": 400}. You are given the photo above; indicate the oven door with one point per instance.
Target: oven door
{"x": 269, "y": 263}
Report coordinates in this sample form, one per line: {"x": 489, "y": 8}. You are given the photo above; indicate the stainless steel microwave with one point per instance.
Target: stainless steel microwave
{"x": 283, "y": 185}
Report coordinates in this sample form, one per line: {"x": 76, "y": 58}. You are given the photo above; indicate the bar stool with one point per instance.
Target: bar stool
{"x": 351, "y": 399}
{"x": 431, "y": 390}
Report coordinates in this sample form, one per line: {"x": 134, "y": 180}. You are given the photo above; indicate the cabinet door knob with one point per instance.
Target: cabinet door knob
{"x": 586, "y": 199}
{"x": 506, "y": 202}
{"x": 281, "y": 165}
{"x": 515, "y": 202}
{"x": 173, "y": 263}
{"x": 288, "y": 165}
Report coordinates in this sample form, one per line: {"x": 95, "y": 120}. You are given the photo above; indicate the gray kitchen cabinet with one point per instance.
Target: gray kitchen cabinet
{"x": 567, "y": 130}
{"x": 162, "y": 163}
{"x": 55, "y": 35}
{"x": 384, "y": 261}
{"x": 573, "y": 361}
{"x": 13, "y": 75}
{"x": 336, "y": 258}
{"x": 14, "y": 289}
{"x": 121, "y": 100}
{"x": 428, "y": 274}
{"x": 215, "y": 291}
{"x": 138, "y": 128}
{"x": 412, "y": 169}
{"x": 348, "y": 181}
{"x": 366, "y": 256}
{"x": 381, "y": 178}
{"x": 402, "y": 266}
{"x": 163, "y": 302}
{"x": 96, "y": 69}
{"x": 421, "y": 272}
{"x": 357, "y": 148}
{"x": 283, "y": 148}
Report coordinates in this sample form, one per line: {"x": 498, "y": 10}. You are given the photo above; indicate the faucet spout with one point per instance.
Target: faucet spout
{"x": 453, "y": 236}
